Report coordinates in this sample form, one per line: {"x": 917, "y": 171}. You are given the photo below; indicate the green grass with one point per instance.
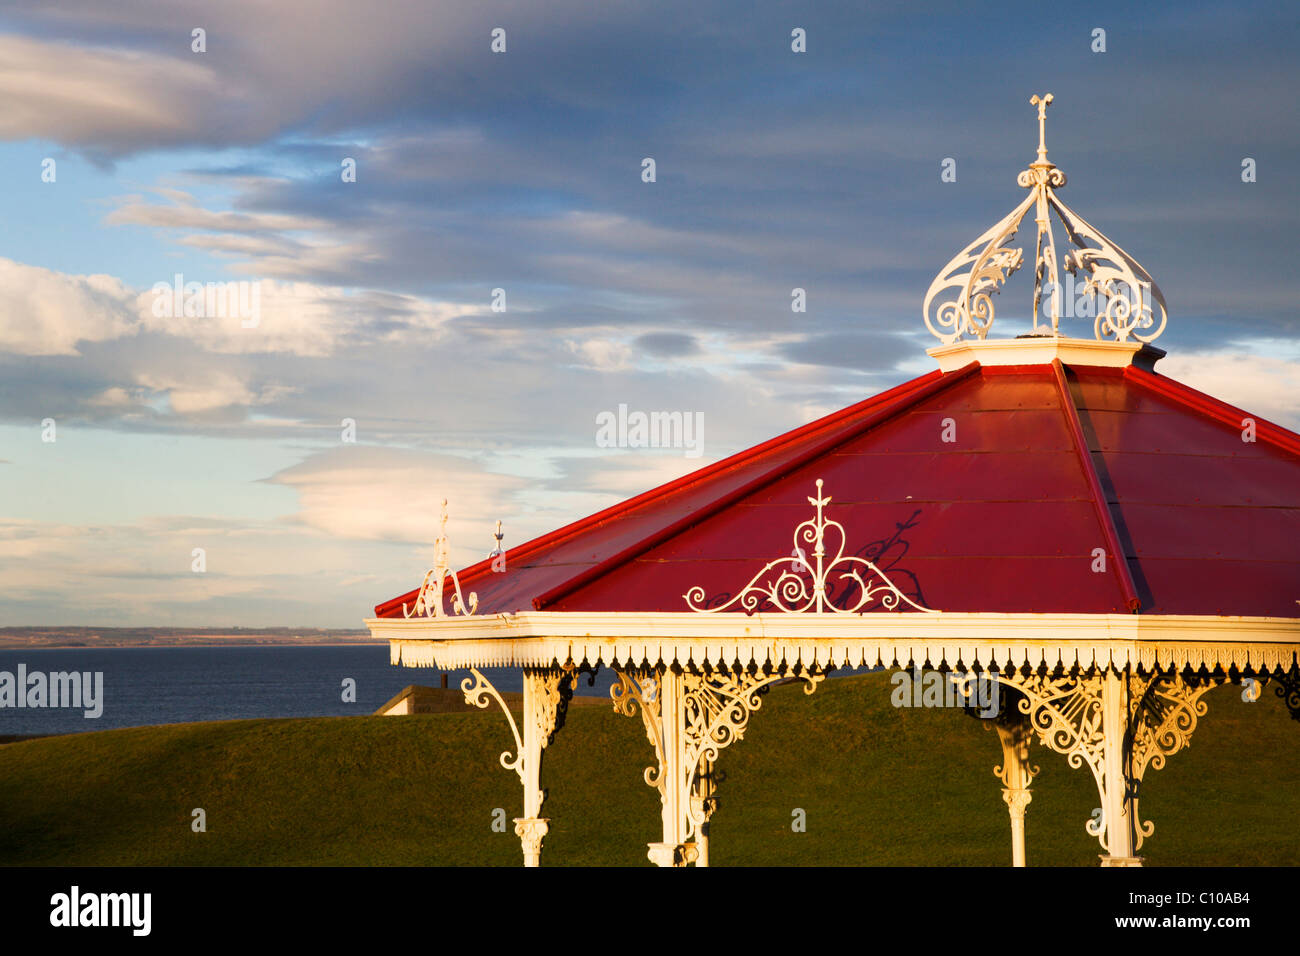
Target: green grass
{"x": 879, "y": 786}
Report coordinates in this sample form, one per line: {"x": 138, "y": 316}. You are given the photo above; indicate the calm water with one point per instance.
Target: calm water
{"x": 168, "y": 685}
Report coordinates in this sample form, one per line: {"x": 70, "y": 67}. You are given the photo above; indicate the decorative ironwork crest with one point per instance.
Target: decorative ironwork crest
{"x": 801, "y": 584}
{"x": 1110, "y": 273}
{"x": 429, "y": 602}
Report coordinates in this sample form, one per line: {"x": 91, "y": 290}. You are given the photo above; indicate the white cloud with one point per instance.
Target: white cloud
{"x": 625, "y": 475}
{"x": 142, "y": 573}
{"x": 299, "y": 318}
{"x": 209, "y": 392}
{"x": 184, "y": 212}
{"x": 113, "y": 98}
{"x": 43, "y": 312}
{"x": 1267, "y": 386}
{"x": 385, "y": 494}
{"x": 603, "y": 355}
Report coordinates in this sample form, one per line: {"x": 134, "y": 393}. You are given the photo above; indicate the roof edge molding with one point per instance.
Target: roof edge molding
{"x": 1044, "y": 350}
{"x": 955, "y": 639}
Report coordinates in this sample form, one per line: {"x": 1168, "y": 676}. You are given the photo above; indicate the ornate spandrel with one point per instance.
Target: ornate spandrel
{"x": 637, "y": 692}
{"x": 710, "y": 710}
{"x": 1163, "y": 713}
{"x": 1160, "y": 711}
{"x": 1065, "y": 712}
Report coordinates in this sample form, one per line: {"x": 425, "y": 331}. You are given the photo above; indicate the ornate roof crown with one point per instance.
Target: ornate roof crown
{"x": 978, "y": 270}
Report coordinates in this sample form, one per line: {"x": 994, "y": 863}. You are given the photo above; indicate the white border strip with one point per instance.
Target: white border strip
{"x": 539, "y": 638}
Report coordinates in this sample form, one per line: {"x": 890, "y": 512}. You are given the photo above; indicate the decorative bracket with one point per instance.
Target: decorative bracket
{"x": 1164, "y": 710}
{"x": 479, "y": 692}
{"x": 717, "y": 705}
{"x": 1066, "y": 713}
{"x": 690, "y": 718}
{"x": 637, "y": 691}
{"x": 1288, "y": 688}
{"x": 1118, "y": 725}
{"x": 547, "y": 714}
{"x": 547, "y": 692}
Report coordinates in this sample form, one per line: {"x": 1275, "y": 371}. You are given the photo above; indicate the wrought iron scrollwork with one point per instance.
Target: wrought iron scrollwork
{"x": 714, "y": 707}
{"x": 637, "y": 692}
{"x": 803, "y": 583}
{"x": 1288, "y": 688}
{"x": 976, "y": 272}
{"x": 1163, "y": 713}
{"x": 717, "y": 705}
{"x": 430, "y": 601}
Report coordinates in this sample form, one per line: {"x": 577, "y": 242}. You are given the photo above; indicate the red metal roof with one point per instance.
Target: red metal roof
{"x": 1049, "y": 463}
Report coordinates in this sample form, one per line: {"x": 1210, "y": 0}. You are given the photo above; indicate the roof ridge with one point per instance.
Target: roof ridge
{"x": 907, "y": 400}
{"x": 1221, "y": 411}
{"x": 1100, "y": 505}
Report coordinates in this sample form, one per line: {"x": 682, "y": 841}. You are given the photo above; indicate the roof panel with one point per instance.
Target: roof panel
{"x": 1001, "y": 519}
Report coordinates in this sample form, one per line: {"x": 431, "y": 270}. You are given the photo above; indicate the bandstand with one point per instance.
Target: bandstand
{"x": 1045, "y": 512}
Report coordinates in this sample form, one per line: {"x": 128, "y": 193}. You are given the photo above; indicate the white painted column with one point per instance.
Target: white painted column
{"x": 703, "y": 803}
{"x": 1115, "y": 802}
{"x": 531, "y": 828}
{"x": 1017, "y": 801}
{"x": 673, "y": 849}
{"x": 1016, "y": 775}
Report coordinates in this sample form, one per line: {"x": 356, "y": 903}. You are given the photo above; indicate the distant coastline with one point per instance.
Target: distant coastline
{"x": 17, "y": 638}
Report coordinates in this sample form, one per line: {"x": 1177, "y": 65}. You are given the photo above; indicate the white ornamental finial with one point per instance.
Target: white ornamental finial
{"x": 976, "y": 272}
{"x": 1042, "y": 102}
{"x": 428, "y": 603}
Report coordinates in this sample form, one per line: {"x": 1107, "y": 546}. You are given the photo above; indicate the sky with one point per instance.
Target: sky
{"x": 288, "y": 467}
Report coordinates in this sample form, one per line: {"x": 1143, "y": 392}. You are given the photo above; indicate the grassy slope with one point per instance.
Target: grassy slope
{"x": 879, "y": 786}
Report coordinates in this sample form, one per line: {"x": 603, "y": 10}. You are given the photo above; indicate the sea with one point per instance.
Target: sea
{"x": 171, "y": 685}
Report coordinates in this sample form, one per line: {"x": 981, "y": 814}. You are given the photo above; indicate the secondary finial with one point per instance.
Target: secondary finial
{"x": 429, "y": 601}
{"x": 1042, "y": 102}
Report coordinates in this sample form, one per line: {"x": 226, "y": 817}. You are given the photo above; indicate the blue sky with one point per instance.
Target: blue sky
{"x": 521, "y": 171}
